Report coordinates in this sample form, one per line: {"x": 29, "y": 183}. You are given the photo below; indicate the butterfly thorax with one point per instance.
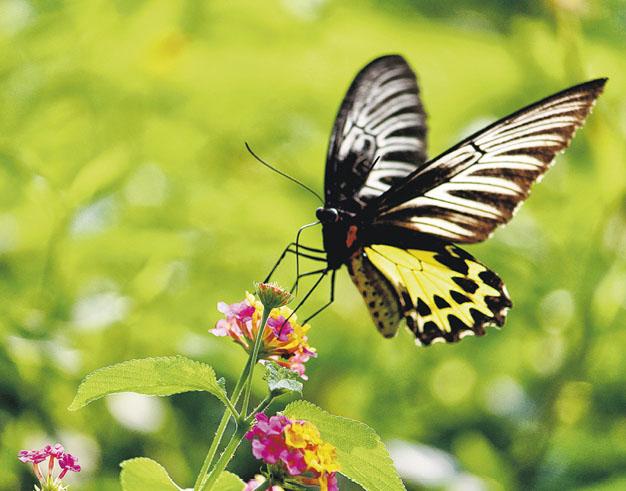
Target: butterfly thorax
{"x": 340, "y": 234}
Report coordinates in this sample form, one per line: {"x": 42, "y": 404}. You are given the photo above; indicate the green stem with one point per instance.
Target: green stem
{"x": 261, "y": 407}
{"x": 203, "y": 480}
{"x": 224, "y": 459}
{"x": 231, "y": 409}
{"x": 254, "y": 358}
{"x": 219, "y": 433}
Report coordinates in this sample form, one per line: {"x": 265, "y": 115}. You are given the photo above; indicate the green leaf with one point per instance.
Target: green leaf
{"x": 152, "y": 376}
{"x": 281, "y": 380}
{"x": 360, "y": 452}
{"x": 228, "y": 482}
{"x": 142, "y": 473}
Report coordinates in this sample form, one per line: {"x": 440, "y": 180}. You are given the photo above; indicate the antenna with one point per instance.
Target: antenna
{"x": 293, "y": 179}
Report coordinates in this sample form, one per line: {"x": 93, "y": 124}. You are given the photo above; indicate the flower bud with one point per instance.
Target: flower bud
{"x": 272, "y": 296}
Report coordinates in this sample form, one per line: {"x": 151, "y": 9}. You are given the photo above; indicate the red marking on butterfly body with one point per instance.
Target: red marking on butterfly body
{"x": 351, "y": 235}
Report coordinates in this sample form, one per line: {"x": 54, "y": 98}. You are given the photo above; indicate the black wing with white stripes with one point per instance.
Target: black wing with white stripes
{"x": 379, "y": 136}
{"x": 465, "y": 193}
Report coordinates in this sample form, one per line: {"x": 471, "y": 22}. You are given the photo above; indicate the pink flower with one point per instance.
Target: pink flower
{"x": 295, "y": 463}
{"x": 241, "y": 311}
{"x": 332, "y": 482}
{"x": 66, "y": 461}
{"x": 34, "y": 456}
{"x": 269, "y": 449}
{"x": 266, "y": 438}
{"x": 267, "y": 426}
{"x": 283, "y": 341}
{"x": 57, "y": 451}
{"x": 296, "y": 449}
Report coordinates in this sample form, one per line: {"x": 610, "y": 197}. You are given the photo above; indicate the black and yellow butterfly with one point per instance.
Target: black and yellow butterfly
{"x": 392, "y": 216}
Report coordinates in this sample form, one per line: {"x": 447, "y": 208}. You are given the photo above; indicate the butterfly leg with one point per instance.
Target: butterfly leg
{"x": 302, "y": 275}
{"x": 289, "y": 249}
{"x": 300, "y": 230}
{"x": 322, "y": 274}
{"x": 330, "y": 301}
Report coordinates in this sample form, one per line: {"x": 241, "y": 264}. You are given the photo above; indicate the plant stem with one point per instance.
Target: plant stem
{"x": 219, "y": 433}
{"x": 231, "y": 409}
{"x": 203, "y": 480}
{"x": 224, "y": 459}
{"x": 255, "y": 355}
{"x": 262, "y": 405}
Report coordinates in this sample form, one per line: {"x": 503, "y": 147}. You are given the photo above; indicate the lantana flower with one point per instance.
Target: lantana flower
{"x": 284, "y": 340}
{"x": 53, "y": 453}
{"x": 294, "y": 451}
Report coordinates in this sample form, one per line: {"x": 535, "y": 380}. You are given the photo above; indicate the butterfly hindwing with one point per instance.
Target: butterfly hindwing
{"x": 379, "y": 136}
{"x": 443, "y": 292}
{"x": 378, "y": 293}
{"x": 466, "y": 192}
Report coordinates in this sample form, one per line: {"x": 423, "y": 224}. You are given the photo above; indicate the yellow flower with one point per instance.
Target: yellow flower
{"x": 322, "y": 458}
{"x": 302, "y": 435}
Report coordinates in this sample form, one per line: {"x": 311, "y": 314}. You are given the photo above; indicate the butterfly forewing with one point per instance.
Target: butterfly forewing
{"x": 443, "y": 292}
{"x": 465, "y": 193}
{"x": 397, "y": 215}
{"x": 379, "y": 135}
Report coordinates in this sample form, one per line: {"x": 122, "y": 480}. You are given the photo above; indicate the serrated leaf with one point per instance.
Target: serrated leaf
{"x": 228, "y": 482}
{"x": 281, "y": 380}
{"x": 151, "y": 376}
{"x": 360, "y": 452}
{"x": 142, "y": 473}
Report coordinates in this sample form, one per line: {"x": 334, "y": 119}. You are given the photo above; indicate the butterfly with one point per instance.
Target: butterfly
{"x": 394, "y": 218}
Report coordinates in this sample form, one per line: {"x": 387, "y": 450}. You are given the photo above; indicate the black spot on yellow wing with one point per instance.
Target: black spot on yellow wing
{"x": 422, "y": 308}
{"x": 379, "y": 295}
{"x": 459, "y": 298}
{"x": 440, "y": 303}
{"x": 466, "y": 284}
{"x": 443, "y": 294}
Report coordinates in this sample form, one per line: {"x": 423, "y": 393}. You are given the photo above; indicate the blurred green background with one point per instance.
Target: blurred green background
{"x": 129, "y": 208}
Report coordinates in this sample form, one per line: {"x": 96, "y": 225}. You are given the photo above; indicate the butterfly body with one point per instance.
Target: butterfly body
{"x": 340, "y": 232}
{"x": 393, "y": 217}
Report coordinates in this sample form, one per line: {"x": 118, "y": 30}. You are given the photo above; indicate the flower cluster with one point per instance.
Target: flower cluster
{"x": 284, "y": 340}
{"x": 66, "y": 462}
{"x": 294, "y": 452}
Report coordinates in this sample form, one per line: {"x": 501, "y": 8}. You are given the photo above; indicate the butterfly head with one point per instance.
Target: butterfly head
{"x": 327, "y": 215}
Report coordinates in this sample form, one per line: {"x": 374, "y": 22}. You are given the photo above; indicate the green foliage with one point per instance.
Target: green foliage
{"x": 151, "y": 376}
{"x": 141, "y": 474}
{"x": 228, "y": 482}
{"x": 281, "y": 380}
{"x": 360, "y": 452}
{"x": 129, "y": 208}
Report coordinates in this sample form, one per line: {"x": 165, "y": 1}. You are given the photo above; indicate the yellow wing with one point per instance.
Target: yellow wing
{"x": 444, "y": 294}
